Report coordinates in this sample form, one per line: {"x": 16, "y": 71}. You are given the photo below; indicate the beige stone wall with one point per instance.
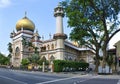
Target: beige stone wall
{"x": 71, "y": 53}
{"x": 118, "y": 48}
{"x": 117, "y": 45}
{"x": 79, "y": 55}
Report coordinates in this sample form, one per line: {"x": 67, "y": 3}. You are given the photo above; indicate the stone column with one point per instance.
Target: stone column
{"x": 52, "y": 66}
{"x": 43, "y": 68}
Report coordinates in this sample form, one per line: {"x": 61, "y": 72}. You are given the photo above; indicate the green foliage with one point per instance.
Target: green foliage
{"x": 36, "y": 50}
{"x": 26, "y": 43}
{"x": 101, "y": 58}
{"x": 110, "y": 60}
{"x": 43, "y": 59}
{"x": 60, "y": 64}
{"x": 4, "y": 60}
{"x": 9, "y": 56}
{"x": 34, "y": 59}
{"x": 10, "y": 50}
{"x": 10, "y": 47}
{"x": 25, "y": 62}
{"x": 41, "y": 62}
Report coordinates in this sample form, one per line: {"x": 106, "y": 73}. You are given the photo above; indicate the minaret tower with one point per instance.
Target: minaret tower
{"x": 36, "y": 38}
{"x": 59, "y": 35}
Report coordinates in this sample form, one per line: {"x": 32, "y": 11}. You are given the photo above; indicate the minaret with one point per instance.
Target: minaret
{"x": 36, "y": 38}
{"x": 59, "y": 35}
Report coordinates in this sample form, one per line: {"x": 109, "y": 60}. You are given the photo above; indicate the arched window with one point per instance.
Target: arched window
{"x": 82, "y": 60}
{"x": 48, "y": 47}
{"x": 65, "y": 58}
{"x": 17, "y": 52}
{"x": 52, "y": 46}
{"x": 70, "y": 59}
{"x": 43, "y": 58}
{"x": 52, "y": 58}
{"x": 43, "y": 48}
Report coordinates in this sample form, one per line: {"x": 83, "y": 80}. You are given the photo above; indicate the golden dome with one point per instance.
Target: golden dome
{"x": 26, "y": 24}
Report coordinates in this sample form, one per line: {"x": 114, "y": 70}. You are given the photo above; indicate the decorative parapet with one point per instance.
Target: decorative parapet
{"x": 60, "y": 36}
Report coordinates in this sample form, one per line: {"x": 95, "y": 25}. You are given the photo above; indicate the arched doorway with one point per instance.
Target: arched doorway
{"x": 52, "y": 58}
{"x": 17, "y": 57}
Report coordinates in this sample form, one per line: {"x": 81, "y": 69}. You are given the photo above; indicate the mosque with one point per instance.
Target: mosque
{"x": 25, "y": 41}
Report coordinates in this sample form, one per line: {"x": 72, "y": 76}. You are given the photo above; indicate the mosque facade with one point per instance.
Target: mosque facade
{"x": 26, "y": 41}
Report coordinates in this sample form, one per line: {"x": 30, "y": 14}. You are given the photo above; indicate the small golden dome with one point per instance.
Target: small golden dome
{"x": 26, "y": 24}
{"x": 75, "y": 43}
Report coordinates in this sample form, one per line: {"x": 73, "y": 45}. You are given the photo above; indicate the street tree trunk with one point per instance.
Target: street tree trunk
{"x": 97, "y": 60}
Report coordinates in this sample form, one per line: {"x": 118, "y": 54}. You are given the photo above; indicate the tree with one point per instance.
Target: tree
{"x": 1, "y": 58}
{"x": 28, "y": 43}
{"x": 89, "y": 22}
{"x": 10, "y": 49}
{"x": 34, "y": 59}
{"x": 4, "y": 60}
{"x": 25, "y": 62}
{"x": 36, "y": 50}
{"x": 43, "y": 59}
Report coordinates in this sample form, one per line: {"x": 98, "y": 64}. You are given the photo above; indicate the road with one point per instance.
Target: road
{"x": 8, "y": 76}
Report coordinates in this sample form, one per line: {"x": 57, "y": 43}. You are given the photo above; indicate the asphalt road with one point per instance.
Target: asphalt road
{"x": 8, "y": 76}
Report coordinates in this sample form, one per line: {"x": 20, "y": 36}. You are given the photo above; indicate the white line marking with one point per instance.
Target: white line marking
{"x": 60, "y": 80}
{"x": 89, "y": 78}
{"x": 13, "y": 79}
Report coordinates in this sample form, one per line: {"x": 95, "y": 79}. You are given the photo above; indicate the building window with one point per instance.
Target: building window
{"x": 43, "y": 59}
{"x": 17, "y": 52}
{"x": 52, "y": 58}
{"x": 82, "y": 60}
{"x": 52, "y": 46}
{"x": 43, "y": 48}
{"x": 70, "y": 59}
{"x": 48, "y": 47}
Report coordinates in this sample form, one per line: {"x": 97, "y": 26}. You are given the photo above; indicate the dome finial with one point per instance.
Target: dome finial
{"x": 25, "y": 13}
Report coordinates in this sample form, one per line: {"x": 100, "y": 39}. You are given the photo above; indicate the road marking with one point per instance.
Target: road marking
{"x": 13, "y": 79}
{"x": 89, "y": 78}
{"x": 59, "y": 80}
{"x": 77, "y": 82}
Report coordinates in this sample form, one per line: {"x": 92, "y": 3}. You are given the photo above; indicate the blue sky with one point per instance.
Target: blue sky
{"x": 39, "y": 11}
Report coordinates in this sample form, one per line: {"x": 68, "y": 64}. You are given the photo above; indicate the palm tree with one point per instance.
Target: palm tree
{"x": 24, "y": 42}
{"x": 10, "y": 49}
{"x": 36, "y": 50}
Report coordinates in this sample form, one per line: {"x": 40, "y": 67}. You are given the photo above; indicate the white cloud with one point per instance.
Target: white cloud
{"x": 5, "y": 3}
